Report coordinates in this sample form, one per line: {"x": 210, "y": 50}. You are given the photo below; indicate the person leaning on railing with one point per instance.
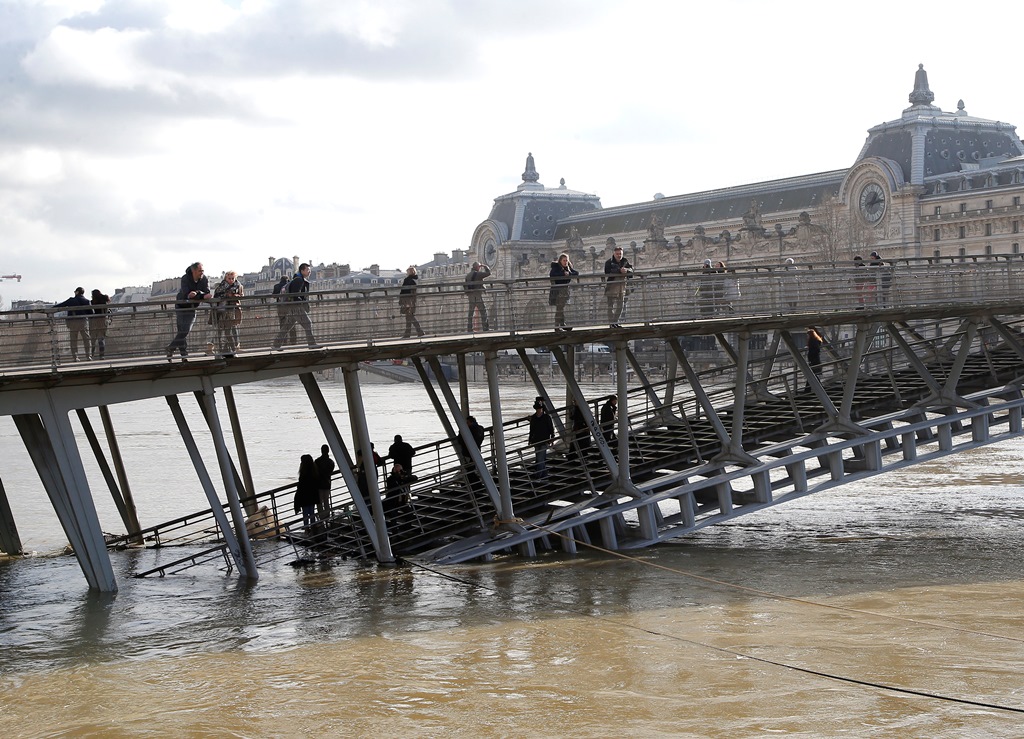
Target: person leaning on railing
{"x": 617, "y": 269}
{"x": 194, "y": 289}
{"x": 475, "y": 294}
{"x": 227, "y": 314}
{"x": 78, "y": 322}
{"x": 98, "y": 324}
{"x": 561, "y": 275}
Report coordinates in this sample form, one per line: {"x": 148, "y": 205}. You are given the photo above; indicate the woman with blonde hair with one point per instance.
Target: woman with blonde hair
{"x": 227, "y": 312}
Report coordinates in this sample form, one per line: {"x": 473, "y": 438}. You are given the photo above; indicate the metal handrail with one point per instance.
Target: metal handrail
{"x": 40, "y": 338}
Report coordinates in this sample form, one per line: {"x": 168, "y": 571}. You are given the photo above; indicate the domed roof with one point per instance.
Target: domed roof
{"x": 533, "y": 211}
{"x": 929, "y": 142}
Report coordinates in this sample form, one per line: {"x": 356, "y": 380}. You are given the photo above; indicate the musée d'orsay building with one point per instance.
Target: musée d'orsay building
{"x": 928, "y": 183}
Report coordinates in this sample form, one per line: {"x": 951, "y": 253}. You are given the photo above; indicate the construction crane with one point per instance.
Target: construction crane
{"x": 10, "y": 277}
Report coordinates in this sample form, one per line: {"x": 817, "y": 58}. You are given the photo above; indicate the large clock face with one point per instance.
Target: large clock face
{"x": 872, "y": 202}
{"x": 490, "y": 252}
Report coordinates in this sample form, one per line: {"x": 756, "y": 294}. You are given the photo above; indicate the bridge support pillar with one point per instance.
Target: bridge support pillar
{"x": 249, "y": 499}
{"x": 129, "y": 517}
{"x": 871, "y": 453}
{"x": 945, "y": 437}
{"x": 227, "y": 471}
{"x": 687, "y": 508}
{"x": 343, "y": 459}
{"x": 50, "y": 442}
{"x": 1015, "y": 419}
{"x": 762, "y": 487}
{"x": 471, "y": 454}
{"x": 505, "y": 512}
{"x": 10, "y": 541}
{"x": 361, "y": 435}
{"x": 608, "y": 536}
{"x": 568, "y": 540}
{"x": 216, "y": 507}
{"x": 647, "y": 516}
{"x": 909, "y": 444}
{"x": 724, "y": 492}
{"x": 834, "y": 459}
{"x": 979, "y": 428}
{"x": 119, "y": 468}
{"x": 798, "y": 476}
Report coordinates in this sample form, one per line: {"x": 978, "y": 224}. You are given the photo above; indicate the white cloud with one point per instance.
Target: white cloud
{"x": 102, "y": 58}
{"x": 31, "y": 167}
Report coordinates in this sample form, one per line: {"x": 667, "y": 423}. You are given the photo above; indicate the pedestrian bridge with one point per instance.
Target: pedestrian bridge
{"x": 723, "y": 415}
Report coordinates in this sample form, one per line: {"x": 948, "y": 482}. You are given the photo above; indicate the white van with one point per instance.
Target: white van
{"x": 597, "y": 348}
{"x": 530, "y": 352}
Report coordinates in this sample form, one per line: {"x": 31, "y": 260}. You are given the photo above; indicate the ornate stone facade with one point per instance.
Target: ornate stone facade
{"x": 930, "y": 183}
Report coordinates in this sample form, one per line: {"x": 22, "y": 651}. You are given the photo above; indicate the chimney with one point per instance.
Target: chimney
{"x": 375, "y": 270}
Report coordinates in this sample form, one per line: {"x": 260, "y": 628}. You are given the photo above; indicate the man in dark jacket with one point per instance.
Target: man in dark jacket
{"x": 194, "y": 289}
{"x": 402, "y": 452}
{"x": 617, "y": 269}
{"x": 608, "y": 412}
{"x": 281, "y": 290}
{"x": 542, "y": 431}
{"x": 297, "y": 309}
{"x": 475, "y": 294}
{"x": 78, "y": 322}
{"x": 324, "y": 469}
{"x": 477, "y": 434}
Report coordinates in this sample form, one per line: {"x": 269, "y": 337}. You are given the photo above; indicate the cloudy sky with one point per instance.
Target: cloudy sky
{"x": 137, "y": 136}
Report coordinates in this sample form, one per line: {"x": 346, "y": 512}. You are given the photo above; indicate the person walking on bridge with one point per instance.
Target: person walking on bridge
{"x": 475, "y": 294}
{"x": 407, "y": 303}
{"x": 297, "y": 302}
{"x": 542, "y": 431}
{"x": 608, "y": 413}
{"x": 195, "y": 288}
{"x": 617, "y": 270}
{"x": 281, "y": 290}
{"x": 476, "y": 437}
{"x": 814, "y": 342}
{"x": 78, "y": 322}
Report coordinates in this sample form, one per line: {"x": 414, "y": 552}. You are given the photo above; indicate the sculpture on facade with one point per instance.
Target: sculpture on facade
{"x": 656, "y": 229}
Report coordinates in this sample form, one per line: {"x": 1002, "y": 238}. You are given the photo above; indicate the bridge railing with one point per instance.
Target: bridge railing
{"x": 43, "y": 338}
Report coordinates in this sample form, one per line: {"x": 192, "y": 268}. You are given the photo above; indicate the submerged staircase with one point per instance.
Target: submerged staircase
{"x": 677, "y": 465}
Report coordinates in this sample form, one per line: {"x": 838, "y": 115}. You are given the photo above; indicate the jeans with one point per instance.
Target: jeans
{"x": 185, "y": 318}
